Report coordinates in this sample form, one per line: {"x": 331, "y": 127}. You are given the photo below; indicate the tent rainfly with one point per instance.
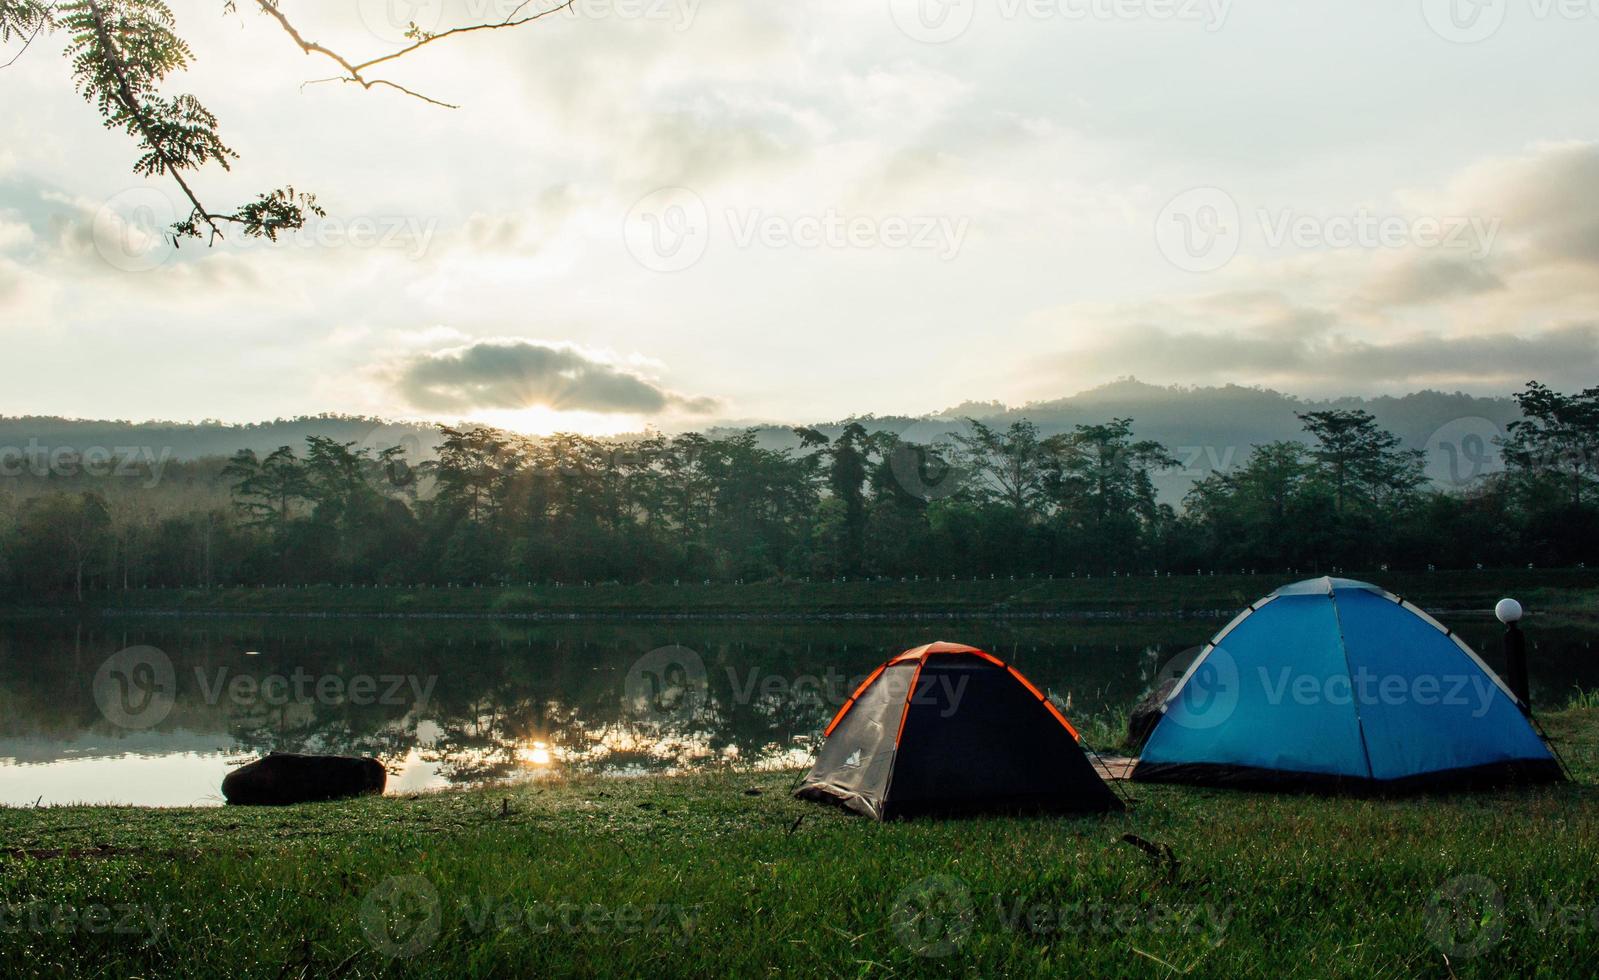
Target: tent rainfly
{"x": 945, "y": 729}
{"x": 1333, "y": 684}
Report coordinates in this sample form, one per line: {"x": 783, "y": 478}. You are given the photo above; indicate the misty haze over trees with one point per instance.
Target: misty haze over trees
{"x": 1207, "y": 428}
{"x": 996, "y": 497}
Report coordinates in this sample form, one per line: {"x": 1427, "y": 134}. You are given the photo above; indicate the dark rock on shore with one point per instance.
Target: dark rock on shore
{"x": 284, "y": 778}
{"x": 1141, "y": 721}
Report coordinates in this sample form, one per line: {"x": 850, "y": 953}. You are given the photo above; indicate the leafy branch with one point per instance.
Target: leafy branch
{"x": 121, "y": 51}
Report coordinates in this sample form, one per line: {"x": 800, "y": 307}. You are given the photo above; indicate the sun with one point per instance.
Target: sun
{"x": 537, "y": 754}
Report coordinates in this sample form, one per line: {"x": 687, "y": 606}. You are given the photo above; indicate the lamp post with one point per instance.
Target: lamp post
{"x": 1509, "y": 612}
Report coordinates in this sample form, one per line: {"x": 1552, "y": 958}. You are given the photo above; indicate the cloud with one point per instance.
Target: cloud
{"x": 14, "y": 234}
{"x": 517, "y": 374}
{"x": 1331, "y": 361}
{"x": 1431, "y": 279}
{"x": 1348, "y": 320}
{"x": 1547, "y": 198}
{"x": 1544, "y": 203}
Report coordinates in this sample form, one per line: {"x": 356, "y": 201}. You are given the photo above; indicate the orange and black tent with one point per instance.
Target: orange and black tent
{"x": 947, "y": 728}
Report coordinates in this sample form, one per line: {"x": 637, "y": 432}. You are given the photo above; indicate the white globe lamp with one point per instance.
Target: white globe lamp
{"x": 1508, "y": 611}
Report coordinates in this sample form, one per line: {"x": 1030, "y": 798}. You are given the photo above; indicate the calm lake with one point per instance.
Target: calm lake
{"x": 155, "y": 711}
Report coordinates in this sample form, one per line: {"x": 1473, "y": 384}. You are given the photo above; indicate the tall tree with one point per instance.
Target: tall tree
{"x": 266, "y": 491}
{"x": 61, "y": 540}
{"x": 1358, "y": 461}
{"x": 847, "y": 458}
{"x": 1556, "y": 439}
{"x": 1006, "y": 466}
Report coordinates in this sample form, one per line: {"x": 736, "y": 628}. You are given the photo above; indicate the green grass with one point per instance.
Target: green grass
{"x": 1569, "y": 591}
{"x": 699, "y": 876}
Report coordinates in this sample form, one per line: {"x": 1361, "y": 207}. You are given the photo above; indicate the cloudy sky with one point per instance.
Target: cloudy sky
{"x": 673, "y": 211}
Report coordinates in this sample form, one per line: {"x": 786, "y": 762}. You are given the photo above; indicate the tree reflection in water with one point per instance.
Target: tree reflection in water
{"x": 512, "y": 699}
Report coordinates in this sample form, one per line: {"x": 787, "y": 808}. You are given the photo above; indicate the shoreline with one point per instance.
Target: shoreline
{"x": 548, "y": 878}
{"x": 1544, "y": 592}
{"x": 1566, "y": 592}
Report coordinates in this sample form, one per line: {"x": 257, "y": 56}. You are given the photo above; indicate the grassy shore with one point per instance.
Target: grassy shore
{"x": 724, "y": 874}
{"x": 1566, "y": 591}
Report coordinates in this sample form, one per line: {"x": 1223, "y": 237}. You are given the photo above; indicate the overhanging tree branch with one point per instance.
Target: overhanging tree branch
{"x": 138, "y": 120}
{"x": 121, "y": 50}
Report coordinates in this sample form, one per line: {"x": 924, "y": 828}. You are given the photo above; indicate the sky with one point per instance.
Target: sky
{"x": 680, "y": 212}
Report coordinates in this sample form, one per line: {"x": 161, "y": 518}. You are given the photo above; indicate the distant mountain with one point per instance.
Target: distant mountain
{"x": 1206, "y": 428}
{"x": 1214, "y": 428}
{"x": 1240, "y": 417}
{"x": 197, "y": 440}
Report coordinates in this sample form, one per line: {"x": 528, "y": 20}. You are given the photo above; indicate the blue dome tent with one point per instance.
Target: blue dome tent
{"x": 1339, "y": 685}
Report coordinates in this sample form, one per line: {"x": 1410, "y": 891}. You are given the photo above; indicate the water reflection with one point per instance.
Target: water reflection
{"x": 458, "y": 702}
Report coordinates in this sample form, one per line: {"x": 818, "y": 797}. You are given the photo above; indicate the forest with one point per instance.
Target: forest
{"x": 494, "y": 507}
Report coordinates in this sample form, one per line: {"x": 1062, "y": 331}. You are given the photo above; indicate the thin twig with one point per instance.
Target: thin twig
{"x": 377, "y": 81}
{"x": 354, "y": 71}
{"x": 511, "y": 20}
{"x": 44, "y": 21}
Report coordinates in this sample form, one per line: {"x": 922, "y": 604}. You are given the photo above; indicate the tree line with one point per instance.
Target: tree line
{"x": 498, "y": 508}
